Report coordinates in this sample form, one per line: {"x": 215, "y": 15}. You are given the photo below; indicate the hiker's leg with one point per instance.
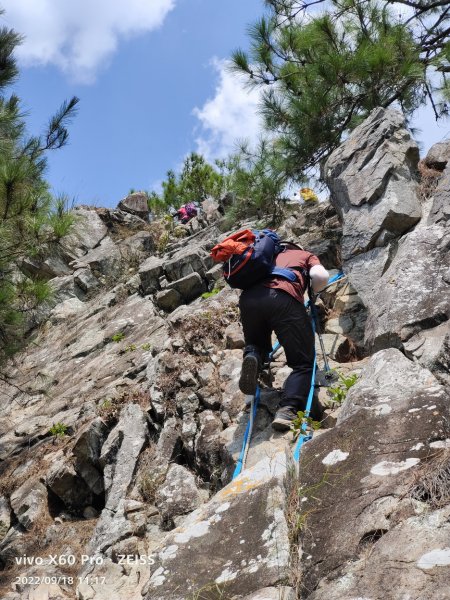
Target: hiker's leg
{"x": 257, "y": 336}
{"x": 254, "y": 319}
{"x": 292, "y": 326}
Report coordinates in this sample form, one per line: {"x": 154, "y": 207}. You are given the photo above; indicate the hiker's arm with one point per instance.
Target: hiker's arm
{"x": 319, "y": 277}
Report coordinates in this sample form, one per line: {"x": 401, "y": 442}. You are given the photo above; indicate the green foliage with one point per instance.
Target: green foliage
{"x": 62, "y": 219}
{"x": 163, "y": 241}
{"x": 146, "y": 347}
{"x": 118, "y": 337}
{"x": 58, "y": 430}
{"x": 30, "y": 218}
{"x": 130, "y": 348}
{"x": 213, "y": 292}
{"x": 197, "y": 180}
{"x": 322, "y": 72}
{"x": 302, "y": 419}
{"x": 256, "y": 180}
{"x": 109, "y": 410}
{"x": 338, "y": 393}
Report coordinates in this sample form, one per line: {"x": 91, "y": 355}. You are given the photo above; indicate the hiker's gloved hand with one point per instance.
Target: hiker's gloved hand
{"x": 319, "y": 277}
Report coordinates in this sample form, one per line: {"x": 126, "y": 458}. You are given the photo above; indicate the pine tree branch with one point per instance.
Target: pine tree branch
{"x": 420, "y": 6}
{"x": 424, "y": 10}
{"x": 434, "y": 41}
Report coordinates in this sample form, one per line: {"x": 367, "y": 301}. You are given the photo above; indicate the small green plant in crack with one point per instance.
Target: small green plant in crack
{"x": 109, "y": 410}
{"x": 106, "y": 404}
{"x": 58, "y": 430}
{"x": 338, "y": 393}
{"x": 213, "y": 292}
{"x": 146, "y": 347}
{"x": 118, "y": 337}
{"x": 301, "y": 419}
{"x": 130, "y": 348}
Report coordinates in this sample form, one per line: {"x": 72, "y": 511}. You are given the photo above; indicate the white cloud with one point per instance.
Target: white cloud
{"x": 230, "y": 115}
{"x": 79, "y": 36}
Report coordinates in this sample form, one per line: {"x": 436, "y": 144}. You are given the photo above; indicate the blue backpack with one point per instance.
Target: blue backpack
{"x": 254, "y": 263}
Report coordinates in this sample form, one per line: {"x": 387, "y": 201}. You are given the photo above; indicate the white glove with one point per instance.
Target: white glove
{"x": 319, "y": 277}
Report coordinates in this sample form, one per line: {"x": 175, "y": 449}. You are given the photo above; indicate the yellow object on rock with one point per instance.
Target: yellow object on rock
{"x": 308, "y": 195}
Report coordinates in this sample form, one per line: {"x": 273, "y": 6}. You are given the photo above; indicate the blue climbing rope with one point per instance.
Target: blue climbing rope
{"x": 335, "y": 278}
{"x": 248, "y": 432}
{"x": 275, "y": 348}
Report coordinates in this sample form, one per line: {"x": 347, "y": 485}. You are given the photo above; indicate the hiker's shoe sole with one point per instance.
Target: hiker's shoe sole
{"x": 281, "y": 424}
{"x": 284, "y": 418}
{"x": 249, "y": 375}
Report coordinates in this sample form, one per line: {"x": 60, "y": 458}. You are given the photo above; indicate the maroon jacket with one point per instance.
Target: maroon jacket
{"x": 293, "y": 258}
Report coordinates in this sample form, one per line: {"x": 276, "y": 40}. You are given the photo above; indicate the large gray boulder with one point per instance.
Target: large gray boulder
{"x": 135, "y": 204}
{"x": 87, "y": 233}
{"x": 29, "y": 503}
{"x": 86, "y": 450}
{"x": 189, "y": 287}
{"x": 184, "y": 263}
{"x": 238, "y": 541}
{"x": 121, "y": 451}
{"x": 150, "y": 271}
{"x": 440, "y": 209}
{"x": 137, "y": 247}
{"x": 431, "y": 348}
{"x": 375, "y": 463}
{"x": 85, "y": 279}
{"x": 64, "y": 482}
{"x": 104, "y": 260}
{"x": 179, "y": 494}
{"x": 53, "y": 266}
{"x": 119, "y": 456}
{"x": 405, "y": 289}
{"x": 438, "y": 156}
{"x": 168, "y": 299}
{"x": 372, "y": 181}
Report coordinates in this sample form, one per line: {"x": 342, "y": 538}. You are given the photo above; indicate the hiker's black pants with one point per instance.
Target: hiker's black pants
{"x": 265, "y": 310}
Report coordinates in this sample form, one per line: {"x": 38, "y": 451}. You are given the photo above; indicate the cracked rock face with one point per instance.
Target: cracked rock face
{"x": 412, "y": 286}
{"x": 392, "y": 422}
{"x": 238, "y": 537}
{"x": 402, "y": 273}
{"x": 372, "y": 181}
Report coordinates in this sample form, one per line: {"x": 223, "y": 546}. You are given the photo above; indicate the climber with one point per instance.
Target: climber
{"x": 277, "y": 305}
{"x": 187, "y": 212}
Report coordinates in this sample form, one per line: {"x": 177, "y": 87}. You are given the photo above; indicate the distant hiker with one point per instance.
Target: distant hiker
{"x": 308, "y": 195}
{"x": 187, "y": 212}
{"x": 275, "y": 303}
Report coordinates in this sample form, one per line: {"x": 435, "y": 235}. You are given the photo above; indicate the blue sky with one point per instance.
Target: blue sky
{"x": 150, "y": 75}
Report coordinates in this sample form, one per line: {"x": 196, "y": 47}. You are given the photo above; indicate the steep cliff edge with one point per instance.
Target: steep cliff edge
{"x": 122, "y": 421}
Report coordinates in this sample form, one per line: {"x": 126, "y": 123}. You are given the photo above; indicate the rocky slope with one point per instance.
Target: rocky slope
{"x": 121, "y": 422}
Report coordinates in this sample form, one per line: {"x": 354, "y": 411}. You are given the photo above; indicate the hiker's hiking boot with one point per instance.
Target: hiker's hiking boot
{"x": 249, "y": 374}
{"x": 284, "y": 417}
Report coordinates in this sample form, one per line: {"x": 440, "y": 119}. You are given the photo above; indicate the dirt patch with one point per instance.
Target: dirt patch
{"x": 432, "y": 481}
{"x": 68, "y": 538}
{"x": 428, "y": 180}
{"x": 205, "y": 329}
